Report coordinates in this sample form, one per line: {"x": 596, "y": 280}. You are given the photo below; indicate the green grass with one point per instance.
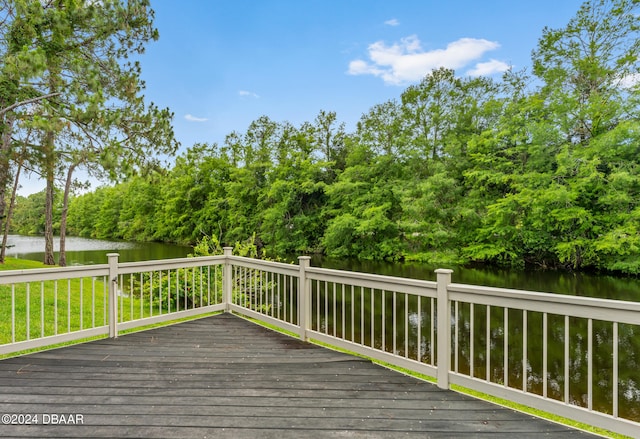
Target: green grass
{"x": 42, "y": 309}
{"x": 21, "y": 264}
{"x": 58, "y": 307}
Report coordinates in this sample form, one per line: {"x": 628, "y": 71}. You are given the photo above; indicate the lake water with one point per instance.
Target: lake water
{"x": 561, "y": 282}
{"x": 83, "y": 251}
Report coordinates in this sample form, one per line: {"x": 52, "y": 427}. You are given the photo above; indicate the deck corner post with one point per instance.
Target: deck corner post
{"x": 443, "y": 318}
{"x": 113, "y": 294}
{"x": 227, "y": 279}
{"x": 304, "y": 299}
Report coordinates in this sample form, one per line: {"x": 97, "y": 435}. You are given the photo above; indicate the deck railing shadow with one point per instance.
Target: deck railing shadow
{"x": 574, "y": 356}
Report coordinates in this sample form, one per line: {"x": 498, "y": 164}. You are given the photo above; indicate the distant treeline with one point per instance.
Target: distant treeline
{"x": 539, "y": 169}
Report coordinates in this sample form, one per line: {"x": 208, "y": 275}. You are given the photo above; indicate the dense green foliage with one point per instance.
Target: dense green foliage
{"x": 540, "y": 170}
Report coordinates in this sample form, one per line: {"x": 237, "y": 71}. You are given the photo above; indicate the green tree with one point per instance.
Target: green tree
{"x": 249, "y": 179}
{"x": 428, "y": 112}
{"x": 84, "y": 212}
{"x": 192, "y": 195}
{"x": 141, "y": 196}
{"x": 515, "y": 154}
{"x": 29, "y": 214}
{"x": 17, "y": 65}
{"x": 559, "y": 156}
{"x": 588, "y": 66}
{"x": 97, "y": 103}
{"x": 364, "y": 209}
{"x": 590, "y": 69}
{"x": 380, "y": 130}
{"x": 292, "y": 206}
{"x": 329, "y": 139}
{"x": 440, "y": 117}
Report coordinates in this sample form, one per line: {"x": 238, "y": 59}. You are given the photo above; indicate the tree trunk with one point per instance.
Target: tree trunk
{"x": 49, "y": 164}
{"x": 5, "y": 148}
{"x": 12, "y": 203}
{"x": 62, "y": 260}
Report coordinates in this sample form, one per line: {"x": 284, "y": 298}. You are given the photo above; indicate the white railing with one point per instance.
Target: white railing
{"x": 577, "y": 357}
{"x": 43, "y": 307}
{"x": 574, "y": 356}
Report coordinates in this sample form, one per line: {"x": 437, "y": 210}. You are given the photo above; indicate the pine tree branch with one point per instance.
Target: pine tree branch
{"x": 28, "y": 101}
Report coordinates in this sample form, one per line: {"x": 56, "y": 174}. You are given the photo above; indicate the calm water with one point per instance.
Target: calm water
{"x": 579, "y": 284}
{"x": 83, "y": 251}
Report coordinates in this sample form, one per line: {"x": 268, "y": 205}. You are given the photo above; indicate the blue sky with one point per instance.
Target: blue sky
{"x": 219, "y": 65}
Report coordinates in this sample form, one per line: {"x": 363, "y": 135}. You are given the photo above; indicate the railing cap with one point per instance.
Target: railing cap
{"x": 304, "y": 262}
{"x": 443, "y": 271}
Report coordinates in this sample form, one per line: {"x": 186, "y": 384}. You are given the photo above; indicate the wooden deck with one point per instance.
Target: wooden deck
{"x": 223, "y": 376}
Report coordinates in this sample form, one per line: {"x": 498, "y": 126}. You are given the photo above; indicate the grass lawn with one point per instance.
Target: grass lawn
{"x": 20, "y": 264}
{"x": 46, "y": 308}
{"x": 30, "y": 310}
{"x": 39, "y": 309}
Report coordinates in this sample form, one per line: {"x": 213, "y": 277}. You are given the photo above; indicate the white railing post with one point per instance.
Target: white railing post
{"x": 444, "y": 327}
{"x": 113, "y": 294}
{"x": 227, "y": 279}
{"x": 304, "y": 297}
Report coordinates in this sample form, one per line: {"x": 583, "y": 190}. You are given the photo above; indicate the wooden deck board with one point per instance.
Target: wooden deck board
{"x": 225, "y": 377}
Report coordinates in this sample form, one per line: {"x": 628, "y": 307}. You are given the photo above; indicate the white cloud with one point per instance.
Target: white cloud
{"x": 191, "y": 118}
{"x": 630, "y": 80}
{"x": 245, "y": 93}
{"x": 488, "y": 68}
{"x": 392, "y": 22}
{"x": 406, "y": 61}
{"x": 359, "y": 67}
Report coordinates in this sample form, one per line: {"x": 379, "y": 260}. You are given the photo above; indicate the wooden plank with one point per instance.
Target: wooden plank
{"x": 222, "y": 376}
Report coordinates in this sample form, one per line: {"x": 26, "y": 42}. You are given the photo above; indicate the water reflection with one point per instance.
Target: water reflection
{"x": 561, "y": 282}
{"x": 85, "y": 251}
{"x": 81, "y": 251}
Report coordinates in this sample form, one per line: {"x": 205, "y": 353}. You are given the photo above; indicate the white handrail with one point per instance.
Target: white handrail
{"x": 575, "y": 306}
{"x": 43, "y": 274}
